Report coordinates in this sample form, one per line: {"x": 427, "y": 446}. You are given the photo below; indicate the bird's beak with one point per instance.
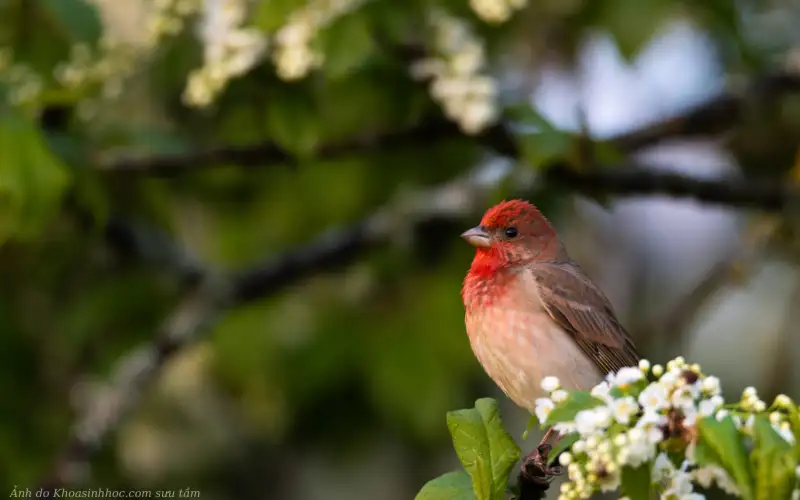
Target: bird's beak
{"x": 477, "y": 237}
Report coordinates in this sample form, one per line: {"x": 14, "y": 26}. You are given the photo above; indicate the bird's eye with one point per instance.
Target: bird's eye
{"x": 511, "y": 232}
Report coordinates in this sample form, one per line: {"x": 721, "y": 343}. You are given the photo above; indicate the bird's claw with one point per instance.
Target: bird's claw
{"x": 535, "y": 466}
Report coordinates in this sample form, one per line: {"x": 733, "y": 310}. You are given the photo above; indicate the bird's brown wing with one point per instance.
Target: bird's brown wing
{"x": 581, "y": 309}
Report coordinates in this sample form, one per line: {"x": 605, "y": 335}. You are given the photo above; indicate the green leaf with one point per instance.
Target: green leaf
{"x": 32, "y": 179}
{"x": 566, "y": 410}
{"x": 633, "y": 23}
{"x": 454, "y": 485}
{"x": 347, "y": 44}
{"x": 773, "y": 462}
{"x": 543, "y": 145}
{"x": 292, "y": 117}
{"x": 271, "y": 15}
{"x": 719, "y": 443}
{"x": 484, "y": 447}
{"x": 532, "y": 422}
{"x": 794, "y": 422}
{"x": 78, "y": 18}
{"x": 541, "y": 149}
{"x": 636, "y": 482}
{"x": 525, "y": 115}
{"x": 563, "y": 444}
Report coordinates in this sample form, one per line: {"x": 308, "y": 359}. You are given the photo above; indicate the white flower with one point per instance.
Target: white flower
{"x": 564, "y": 427}
{"x": 708, "y": 475}
{"x": 601, "y": 391}
{"x": 683, "y": 398}
{"x": 579, "y": 446}
{"x": 727, "y": 484}
{"x": 627, "y": 375}
{"x": 650, "y": 423}
{"x": 559, "y": 395}
{"x": 644, "y": 365}
{"x": 759, "y": 406}
{"x": 543, "y": 408}
{"x": 662, "y": 468}
{"x": 669, "y": 380}
{"x": 797, "y": 471}
{"x": 783, "y": 401}
{"x": 624, "y": 408}
{"x": 603, "y": 416}
{"x": 705, "y": 476}
{"x": 492, "y": 11}
{"x": 565, "y": 459}
{"x": 749, "y": 393}
{"x": 610, "y": 480}
{"x": 785, "y": 431}
{"x": 680, "y": 485}
{"x": 710, "y": 385}
{"x": 639, "y": 449}
{"x": 455, "y": 70}
{"x": 657, "y": 370}
{"x": 550, "y": 384}
{"x": 689, "y": 416}
{"x": 676, "y": 364}
{"x": 587, "y": 422}
{"x": 708, "y": 407}
{"x": 654, "y": 397}
{"x": 574, "y": 472}
{"x": 720, "y": 416}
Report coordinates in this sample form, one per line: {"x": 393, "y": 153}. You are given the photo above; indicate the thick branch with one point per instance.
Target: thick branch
{"x": 634, "y": 181}
{"x": 268, "y": 153}
{"x": 713, "y": 117}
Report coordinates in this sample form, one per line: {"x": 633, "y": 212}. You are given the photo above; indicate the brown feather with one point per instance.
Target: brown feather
{"x": 581, "y": 309}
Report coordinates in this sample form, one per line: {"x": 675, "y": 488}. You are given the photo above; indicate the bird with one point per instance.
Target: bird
{"x": 532, "y": 312}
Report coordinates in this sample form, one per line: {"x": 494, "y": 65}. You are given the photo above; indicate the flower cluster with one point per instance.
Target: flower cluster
{"x": 627, "y": 421}
{"x": 496, "y": 11}
{"x": 24, "y": 84}
{"x": 118, "y": 57}
{"x": 467, "y": 95}
{"x": 230, "y": 50}
{"x": 107, "y": 67}
{"x": 294, "y": 54}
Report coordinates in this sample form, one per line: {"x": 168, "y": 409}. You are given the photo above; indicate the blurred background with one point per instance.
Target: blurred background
{"x": 229, "y": 252}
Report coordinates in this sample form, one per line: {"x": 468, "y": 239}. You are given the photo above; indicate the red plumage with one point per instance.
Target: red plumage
{"x": 532, "y": 312}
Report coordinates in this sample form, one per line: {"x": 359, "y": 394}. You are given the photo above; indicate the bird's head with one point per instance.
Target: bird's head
{"x": 513, "y": 232}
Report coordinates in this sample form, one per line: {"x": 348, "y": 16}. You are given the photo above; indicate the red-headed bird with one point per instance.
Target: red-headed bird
{"x": 531, "y": 311}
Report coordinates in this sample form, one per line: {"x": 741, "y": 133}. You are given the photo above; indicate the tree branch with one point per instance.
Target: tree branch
{"x": 713, "y": 117}
{"x": 766, "y": 195}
